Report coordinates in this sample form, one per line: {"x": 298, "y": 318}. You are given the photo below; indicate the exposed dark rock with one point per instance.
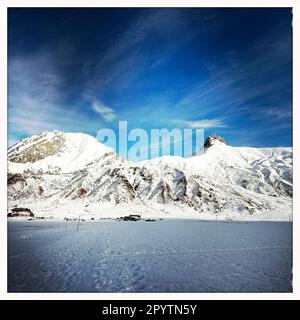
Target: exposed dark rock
{"x": 41, "y": 190}
{"x": 36, "y": 149}
{"x": 210, "y": 141}
{"x": 82, "y": 192}
{"x": 14, "y": 178}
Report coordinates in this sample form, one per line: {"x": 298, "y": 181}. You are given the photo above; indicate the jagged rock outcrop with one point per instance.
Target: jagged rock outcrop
{"x": 213, "y": 139}
{"x": 36, "y": 148}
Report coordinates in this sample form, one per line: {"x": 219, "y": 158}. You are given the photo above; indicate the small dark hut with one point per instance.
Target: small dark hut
{"x": 20, "y": 212}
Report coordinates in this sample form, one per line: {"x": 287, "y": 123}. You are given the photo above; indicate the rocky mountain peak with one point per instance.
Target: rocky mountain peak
{"x": 55, "y": 152}
{"x": 213, "y": 140}
{"x": 37, "y": 147}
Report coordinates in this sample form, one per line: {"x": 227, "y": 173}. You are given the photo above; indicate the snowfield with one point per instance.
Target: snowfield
{"x": 163, "y": 256}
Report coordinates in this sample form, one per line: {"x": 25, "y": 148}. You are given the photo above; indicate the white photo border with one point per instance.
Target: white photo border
{"x": 5, "y": 4}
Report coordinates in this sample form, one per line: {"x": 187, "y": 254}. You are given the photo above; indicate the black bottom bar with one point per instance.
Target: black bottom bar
{"x": 162, "y": 309}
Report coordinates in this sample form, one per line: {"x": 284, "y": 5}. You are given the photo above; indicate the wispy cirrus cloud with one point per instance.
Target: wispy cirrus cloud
{"x": 204, "y": 123}
{"x": 125, "y": 60}
{"x": 104, "y": 111}
{"x": 242, "y": 89}
{"x": 149, "y": 67}
{"x": 37, "y": 99}
{"x": 281, "y": 112}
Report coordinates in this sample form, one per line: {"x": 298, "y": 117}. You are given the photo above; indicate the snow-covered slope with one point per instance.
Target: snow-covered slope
{"x": 55, "y": 152}
{"x": 83, "y": 176}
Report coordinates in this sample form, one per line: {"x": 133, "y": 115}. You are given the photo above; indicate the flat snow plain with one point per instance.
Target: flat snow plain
{"x": 163, "y": 256}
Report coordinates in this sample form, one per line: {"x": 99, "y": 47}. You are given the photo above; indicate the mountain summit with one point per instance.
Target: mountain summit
{"x": 213, "y": 140}
{"x": 55, "y": 152}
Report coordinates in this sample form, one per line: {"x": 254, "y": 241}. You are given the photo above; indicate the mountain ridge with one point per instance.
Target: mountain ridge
{"x": 240, "y": 180}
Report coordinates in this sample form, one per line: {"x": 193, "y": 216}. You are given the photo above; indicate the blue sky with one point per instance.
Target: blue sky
{"x": 225, "y": 70}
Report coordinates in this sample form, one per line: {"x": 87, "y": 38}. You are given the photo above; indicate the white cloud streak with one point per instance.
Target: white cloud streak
{"x": 36, "y": 99}
{"x": 206, "y": 123}
{"x": 105, "y": 112}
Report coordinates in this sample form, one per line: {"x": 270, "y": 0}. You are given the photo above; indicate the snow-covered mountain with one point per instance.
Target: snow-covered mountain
{"x": 60, "y": 174}
{"x": 55, "y": 152}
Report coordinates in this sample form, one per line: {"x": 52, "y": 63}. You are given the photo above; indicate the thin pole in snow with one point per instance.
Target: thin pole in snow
{"x": 78, "y": 223}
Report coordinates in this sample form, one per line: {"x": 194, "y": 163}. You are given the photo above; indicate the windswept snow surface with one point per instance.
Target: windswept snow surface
{"x": 163, "y": 256}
